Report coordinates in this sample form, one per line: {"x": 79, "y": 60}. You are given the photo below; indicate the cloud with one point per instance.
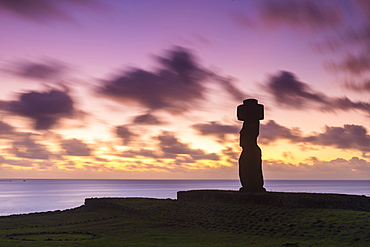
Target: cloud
{"x": 300, "y": 14}
{"x": 44, "y": 108}
{"x": 42, "y": 10}
{"x": 125, "y": 134}
{"x": 360, "y": 87}
{"x": 16, "y": 162}
{"x": 351, "y": 43}
{"x": 178, "y": 84}
{"x": 147, "y": 119}
{"x": 6, "y": 129}
{"x": 354, "y": 64}
{"x": 76, "y": 147}
{"x": 364, "y": 6}
{"x": 350, "y": 136}
{"x": 228, "y": 85}
{"x": 213, "y": 128}
{"x": 271, "y": 131}
{"x": 296, "y": 14}
{"x": 171, "y": 147}
{"x": 289, "y": 92}
{"x": 138, "y": 153}
{"x": 313, "y": 168}
{"x": 347, "y": 27}
{"x": 45, "y": 70}
{"x": 26, "y": 147}
{"x": 346, "y": 104}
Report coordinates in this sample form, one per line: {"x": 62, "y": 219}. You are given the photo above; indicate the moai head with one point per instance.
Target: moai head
{"x": 250, "y": 111}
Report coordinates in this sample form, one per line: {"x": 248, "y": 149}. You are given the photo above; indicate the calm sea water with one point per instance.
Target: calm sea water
{"x": 39, "y": 195}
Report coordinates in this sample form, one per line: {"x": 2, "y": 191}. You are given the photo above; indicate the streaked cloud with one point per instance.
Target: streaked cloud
{"x": 271, "y": 132}
{"x": 314, "y": 168}
{"x": 25, "y": 146}
{"x": 170, "y": 147}
{"x": 49, "y": 69}
{"x": 5, "y": 129}
{"x": 125, "y": 134}
{"x": 296, "y": 14}
{"x": 300, "y": 14}
{"x": 76, "y": 147}
{"x": 147, "y": 119}
{"x": 44, "y": 108}
{"x": 178, "y": 85}
{"x": 289, "y": 92}
{"x": 347, "y": 38}
{"x": 347, "y": 137}
{"x": 216, "y": 129}
{"x": 43, "y": 10}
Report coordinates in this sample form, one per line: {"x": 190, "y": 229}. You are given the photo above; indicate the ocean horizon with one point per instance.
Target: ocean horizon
{"x": 21, "y": 196}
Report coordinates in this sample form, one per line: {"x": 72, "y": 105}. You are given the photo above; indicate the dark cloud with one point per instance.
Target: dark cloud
{"x": 232, "y": 155}
{"x": 213, "y": 128}
{"x": 347, "y": 24}
{"x": 6, "y": 129}
{"x": 300, "y": 14}
{"x": 363, "y": 86}
{"x": 313, "y": 168}
{"x": 349, "y": 136}
{"x": 355, "y": 54}
{"x": 351, "y": 44}
{"x": 176, "y": 86}
{"x": 353, "y": 64}
{"x": 46, "y": 70}
{"x": 42, "y": 10}
{"x": 364, "y": 6}
{"x": 346, "y": 104}
{"x": 296, "y": 14}
{"x": 147, "y": 119}
{"x": 289, "y": 92}
{"x": 171, "y": 147}
{"x": 137, "y": 153}
{"x": 272, "y": 131}
{"x": 173, "y": 87}
{"x": 125, "y": 134}
{"x": 15, "y": 163}
{"x": 26, "y": 147}
{"x": 75, "y": 147}
{"x": 228, "y": 85}
{"x": 44, "y": 108}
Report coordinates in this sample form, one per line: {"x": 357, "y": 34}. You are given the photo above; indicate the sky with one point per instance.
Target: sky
{"x": 148, "y": 89}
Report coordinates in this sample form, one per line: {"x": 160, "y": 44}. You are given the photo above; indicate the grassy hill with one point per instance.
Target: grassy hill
{"x": 165, "y": 222}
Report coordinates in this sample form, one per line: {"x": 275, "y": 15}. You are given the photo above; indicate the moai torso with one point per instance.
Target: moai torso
{"x": 250, "y": 112}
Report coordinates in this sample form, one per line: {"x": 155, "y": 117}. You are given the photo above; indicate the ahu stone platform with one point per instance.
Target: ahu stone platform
{"x": 281, "y": 199}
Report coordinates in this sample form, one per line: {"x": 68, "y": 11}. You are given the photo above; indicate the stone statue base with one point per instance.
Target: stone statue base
{"x": 250, "y": 170}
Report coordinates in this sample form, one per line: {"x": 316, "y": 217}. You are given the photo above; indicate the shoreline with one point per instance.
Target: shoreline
{"x": 290, "y": 199}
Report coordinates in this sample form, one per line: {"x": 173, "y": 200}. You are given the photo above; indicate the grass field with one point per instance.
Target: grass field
{"x": 160, "y": 222}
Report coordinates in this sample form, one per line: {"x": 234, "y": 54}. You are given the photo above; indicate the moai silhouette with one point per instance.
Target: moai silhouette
{"x": 250, "y": 161}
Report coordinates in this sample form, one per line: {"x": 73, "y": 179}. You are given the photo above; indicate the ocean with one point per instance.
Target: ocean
{"x": 39, "y": 195}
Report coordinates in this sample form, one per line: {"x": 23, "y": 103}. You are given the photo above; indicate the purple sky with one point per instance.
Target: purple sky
{"x": 149, "y": 89}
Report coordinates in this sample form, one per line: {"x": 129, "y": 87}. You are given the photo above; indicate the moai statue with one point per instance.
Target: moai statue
{"x": 250, "y": 162}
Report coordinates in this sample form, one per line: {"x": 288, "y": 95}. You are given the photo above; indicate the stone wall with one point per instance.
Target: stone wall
{"x": 306, "y": 200}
